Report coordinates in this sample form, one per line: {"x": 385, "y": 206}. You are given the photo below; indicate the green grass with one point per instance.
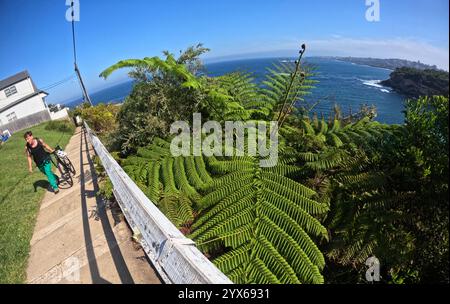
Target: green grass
{"x": 19, "y": 200}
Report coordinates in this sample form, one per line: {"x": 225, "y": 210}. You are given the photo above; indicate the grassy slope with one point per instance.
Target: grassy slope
{"x": 19, "y": 202}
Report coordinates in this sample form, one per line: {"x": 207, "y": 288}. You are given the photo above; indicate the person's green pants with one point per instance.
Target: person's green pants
{"x": 46, "y": 168}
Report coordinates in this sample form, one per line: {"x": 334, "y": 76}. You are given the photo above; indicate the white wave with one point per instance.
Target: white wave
{"x": 373, "y": 83}
{"x": 376, "y": 84}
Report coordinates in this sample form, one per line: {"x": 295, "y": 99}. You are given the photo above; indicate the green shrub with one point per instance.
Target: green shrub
{"x": 104, "y": 183}
{"x": 101, "y": 118}
{"x": 61, "y": 126}
{"x": 106, "y": 189}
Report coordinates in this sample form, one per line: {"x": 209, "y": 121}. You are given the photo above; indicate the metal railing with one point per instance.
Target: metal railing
{"x": 175, "y": 257}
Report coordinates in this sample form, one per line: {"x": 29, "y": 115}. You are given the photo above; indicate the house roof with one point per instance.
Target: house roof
{"x": 15, "y": 79}
{"x": 21, "y": 100}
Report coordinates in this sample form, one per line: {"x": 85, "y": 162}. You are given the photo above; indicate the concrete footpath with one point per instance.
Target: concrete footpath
{"x": 79, "y": 239}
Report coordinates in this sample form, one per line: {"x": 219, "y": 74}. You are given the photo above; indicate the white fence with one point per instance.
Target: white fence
{"x": 175, "y": 257}
{"x": 61, "y": 114}
{"x": 26, "y": 122}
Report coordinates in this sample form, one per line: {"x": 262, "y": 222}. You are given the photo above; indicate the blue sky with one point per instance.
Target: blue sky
{"x": 36, "y": 36}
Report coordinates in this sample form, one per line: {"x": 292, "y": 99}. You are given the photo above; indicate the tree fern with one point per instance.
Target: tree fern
{"x": 266, "y": 213}
{"x": 156, "y": 64}
{"x": 241, "y": 206}
{"x": 170, "y": 182}
{"x": 285, "y": 87}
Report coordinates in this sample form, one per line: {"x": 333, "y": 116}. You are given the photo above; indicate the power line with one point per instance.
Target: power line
{"x": 58, "y": 83}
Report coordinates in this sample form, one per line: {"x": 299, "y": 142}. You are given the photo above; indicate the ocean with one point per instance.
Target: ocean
{"x": 346, "y": 84}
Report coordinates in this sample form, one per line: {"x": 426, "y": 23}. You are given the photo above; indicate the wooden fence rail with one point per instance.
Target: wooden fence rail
{"x": 175, "y": 257}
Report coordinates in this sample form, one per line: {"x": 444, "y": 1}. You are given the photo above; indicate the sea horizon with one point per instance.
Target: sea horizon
{"x": 346, "y": 84}
{"x": 208, "y": 62}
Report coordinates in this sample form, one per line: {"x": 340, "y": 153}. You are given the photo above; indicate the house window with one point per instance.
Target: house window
{"x": 11, "y": 116}
{"x": 10, "y": 91}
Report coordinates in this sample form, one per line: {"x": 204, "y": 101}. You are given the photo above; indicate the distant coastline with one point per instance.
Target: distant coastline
{"x": 390, "y": 64}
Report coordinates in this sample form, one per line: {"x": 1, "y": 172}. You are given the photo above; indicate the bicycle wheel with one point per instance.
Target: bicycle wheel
{"x": 66, "y": 180}
{"x": 69, "y": 166}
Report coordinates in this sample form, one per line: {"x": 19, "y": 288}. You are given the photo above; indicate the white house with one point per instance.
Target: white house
{"x": 22, "y": 104}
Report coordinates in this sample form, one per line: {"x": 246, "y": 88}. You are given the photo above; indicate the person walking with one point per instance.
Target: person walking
{"x": 36, "y": 149}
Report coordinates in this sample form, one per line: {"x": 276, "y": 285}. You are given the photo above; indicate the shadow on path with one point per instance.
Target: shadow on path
{"x": 119, "y": 261}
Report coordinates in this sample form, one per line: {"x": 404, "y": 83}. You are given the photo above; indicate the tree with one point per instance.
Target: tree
{"x": 165, "y": 91}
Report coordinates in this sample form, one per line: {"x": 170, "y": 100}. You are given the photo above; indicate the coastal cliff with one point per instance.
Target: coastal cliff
{"x": 414, "y": 82}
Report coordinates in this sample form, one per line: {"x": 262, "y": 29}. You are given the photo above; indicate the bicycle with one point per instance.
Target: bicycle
{"x": 64, "y": 165}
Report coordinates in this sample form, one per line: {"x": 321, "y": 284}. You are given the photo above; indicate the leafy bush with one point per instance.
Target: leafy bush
{"x": 65, "y": 126}
{"x": 395, "y": 204}
{"x": 104, "y": 183}
{"x": 106, "y": 189}
{"x": 101, "y": 118}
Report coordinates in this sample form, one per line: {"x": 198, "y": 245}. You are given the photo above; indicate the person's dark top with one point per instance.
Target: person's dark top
{"x": 39, "y": 154}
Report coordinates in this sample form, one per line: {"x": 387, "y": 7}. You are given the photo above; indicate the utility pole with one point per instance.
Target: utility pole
{"x": 83, "y": 88}
{"x": 77, "y": 71}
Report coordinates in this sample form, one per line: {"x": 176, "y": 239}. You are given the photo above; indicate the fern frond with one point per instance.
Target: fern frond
{"x": 268, "y": 212}
{"x": 177, "y": 208}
